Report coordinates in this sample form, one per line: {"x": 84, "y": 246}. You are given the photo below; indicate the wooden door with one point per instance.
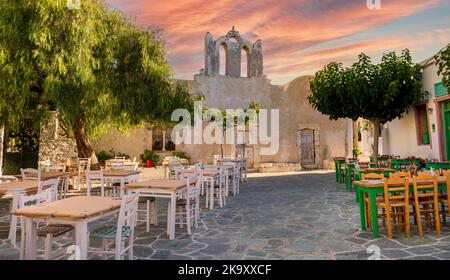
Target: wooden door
{"x": 307, "y": 146}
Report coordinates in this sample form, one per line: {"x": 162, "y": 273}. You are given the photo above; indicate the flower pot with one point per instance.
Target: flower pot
{"x": 149, "y": 163}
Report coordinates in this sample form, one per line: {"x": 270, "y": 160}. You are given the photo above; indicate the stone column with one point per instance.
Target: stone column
{"x": 2, "y": 136}
{"x": 164, "y": 140}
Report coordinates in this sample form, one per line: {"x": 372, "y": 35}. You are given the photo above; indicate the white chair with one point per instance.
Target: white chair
{"x": 30, "y": 174}
{"x": 187, "y": 208}
{"x": 60, "y": 168}
{"x": 117, "y": 165}
{"x": 96, "y": 178}
{"x": 47, "y": 231}
{"x": 234, "y": 177}
{"x": 51, "y": 187}
{"x": 216, "y": 184}
{"x": 80, "y": 175}
{"x": 148, "y": 214}
{"x": 121, "y": 233}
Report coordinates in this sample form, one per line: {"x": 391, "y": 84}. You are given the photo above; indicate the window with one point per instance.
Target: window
{"x": 423, "y": 136}
{"x": 170, "y": 145}
{"x": 440, "y": 90}
{"x": 157, "y": 138}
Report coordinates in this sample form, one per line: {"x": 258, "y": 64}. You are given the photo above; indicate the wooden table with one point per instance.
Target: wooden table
{"x": 77, "y": 211}
{"x": 372, "y": 188}
{"x": 162, "y": 188}
{"x": 112, "y": 176}
{"x": 15, "y": 189}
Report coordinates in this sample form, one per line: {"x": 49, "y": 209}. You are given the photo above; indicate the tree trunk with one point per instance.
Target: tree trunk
{"x": 2, "y": 140}
{"x": 83, "y": 145}
{"x": 376, "y": 135}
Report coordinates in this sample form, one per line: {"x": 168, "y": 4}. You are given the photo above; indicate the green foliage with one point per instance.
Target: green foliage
{"x": 443, "y": 63}
{"x": 380, "y": 92}
{"x": 150, "y": 155}
{"x": 356, "y": 153}
{"x": 90, "y": 64}
{"x": 103, "y": 156}
{"x": 181, "y": 155}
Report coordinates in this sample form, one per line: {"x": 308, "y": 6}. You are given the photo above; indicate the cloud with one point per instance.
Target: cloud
{"x": 287, "y": 28}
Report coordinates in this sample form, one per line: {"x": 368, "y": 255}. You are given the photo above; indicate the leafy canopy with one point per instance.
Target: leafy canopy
{"x": 376, "y": 92}
{"x": 89, "y": 63}
{"x": 443, "y": 63}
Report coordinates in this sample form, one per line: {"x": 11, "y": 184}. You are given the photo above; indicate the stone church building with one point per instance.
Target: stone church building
{"x": 308, "y": 139}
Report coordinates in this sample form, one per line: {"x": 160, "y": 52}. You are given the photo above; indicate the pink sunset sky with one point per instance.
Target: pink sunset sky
{"x": 299, "y": 36}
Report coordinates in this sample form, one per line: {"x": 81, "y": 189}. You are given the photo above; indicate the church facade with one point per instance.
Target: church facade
{"x": 307, "y": 139}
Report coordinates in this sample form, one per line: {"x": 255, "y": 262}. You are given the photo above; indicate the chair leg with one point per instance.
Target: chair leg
{"x": 437, "y": 218}
{"x": 131, "y": 249}
{"x": 148, "y": 216}
{"x": 419, "y": 219}
{"x": 188, "y": 218}
{"x": 389, "y": 225}
{"x": 48, "y": 246}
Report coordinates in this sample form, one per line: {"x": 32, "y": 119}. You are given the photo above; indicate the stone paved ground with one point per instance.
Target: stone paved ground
{"x": 296, "y": 216}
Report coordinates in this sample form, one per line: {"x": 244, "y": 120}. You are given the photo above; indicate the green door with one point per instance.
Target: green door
{"x": 446, "y": 116}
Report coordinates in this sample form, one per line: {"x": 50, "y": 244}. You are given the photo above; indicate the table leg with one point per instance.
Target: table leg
{"x": 81, "y": 237}
{"x": 173, "y": 205}
{"x": 374, "y": 213}
{"x": 362, "y": 207}
{"x": 13, "y": 227}
{"x": 122, "y": 186}
{"x": 30, "y": 228}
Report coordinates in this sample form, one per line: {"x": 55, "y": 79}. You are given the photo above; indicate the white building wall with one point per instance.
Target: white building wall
{"x": 400, "y": 136}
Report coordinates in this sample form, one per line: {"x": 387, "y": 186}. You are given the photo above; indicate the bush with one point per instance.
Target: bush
{"x": 104, "y": 156}
{"x": 181, "y": 155}
{"x": 150, "y": 155}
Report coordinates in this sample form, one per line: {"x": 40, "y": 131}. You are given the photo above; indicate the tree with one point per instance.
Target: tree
{"x": 378, "y": 93}
{"x": 92, "y": 65}
{"x": 443, "y": 63}
{"x": 232, "y": 122}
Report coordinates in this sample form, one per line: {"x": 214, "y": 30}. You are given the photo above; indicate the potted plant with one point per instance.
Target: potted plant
{"x": 356, "y": 153}
{"x": 150, "y": 158}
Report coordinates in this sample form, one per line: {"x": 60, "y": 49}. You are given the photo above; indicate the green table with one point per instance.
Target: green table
{"x": 437, "y": 165}
{"x": 358, "y": 174}
{"x": 372, "y": 188}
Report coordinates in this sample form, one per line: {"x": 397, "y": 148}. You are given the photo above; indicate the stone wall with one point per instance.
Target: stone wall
{"x": 53, "y": 146}
{"x": 2, "y": 139}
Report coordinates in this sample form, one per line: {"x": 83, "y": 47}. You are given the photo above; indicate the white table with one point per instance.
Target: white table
{"x": 170, "y": 189}
{"x": 78, "y": 211}
{"x": 15, "y": 189}
{"x": 121, "y": 176}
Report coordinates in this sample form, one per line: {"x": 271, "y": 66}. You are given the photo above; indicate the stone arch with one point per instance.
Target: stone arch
{"x": 245, "y": 62}
{"x": 223, "y": 60}
{"x": 233, "y": 44}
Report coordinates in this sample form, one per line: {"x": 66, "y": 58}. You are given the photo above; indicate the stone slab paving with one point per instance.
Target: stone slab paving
{"x": 299, "y": 216}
